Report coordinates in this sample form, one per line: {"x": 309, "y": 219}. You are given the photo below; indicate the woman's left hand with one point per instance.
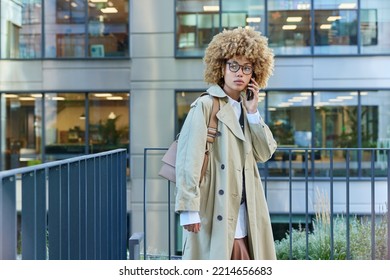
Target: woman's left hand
{"x": 251, "y": 105}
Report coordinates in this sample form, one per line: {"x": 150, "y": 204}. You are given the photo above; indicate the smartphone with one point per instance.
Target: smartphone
{"x": 249, "y": 93}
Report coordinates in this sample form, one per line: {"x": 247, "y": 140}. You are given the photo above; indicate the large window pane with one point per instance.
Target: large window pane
{"x": 108, "y": 121}
{"x": 197, "y": 22}
{"x": 336, "y": 126}
{"x": 65, "y": 125}
{"x": 21, "y": 29}
{"x": 108, "y": 28}
{"x": 289, "y": 26}
{"x": 335, "y": 27}
{"x": 290, "y": 122}
{"x": 22, "y": 122}
{"x": 65, "y": 28}
{"x": 375, "y": 26}
{"x": 243, "y": 13}
{"x": 375, "y": 128}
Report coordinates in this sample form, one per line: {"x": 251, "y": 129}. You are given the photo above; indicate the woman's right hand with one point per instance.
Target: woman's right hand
{"x": 195, "y": 228}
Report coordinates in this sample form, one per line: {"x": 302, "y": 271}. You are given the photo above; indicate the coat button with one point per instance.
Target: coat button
{"x": 219, "y": 218}
{"x": 222, "y": 166}
{"x": 221, "y": 192}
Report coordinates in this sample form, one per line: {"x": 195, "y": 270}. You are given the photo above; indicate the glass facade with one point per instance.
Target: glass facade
{"x": 321, "y": 119}
{"x": 304, "y": 27}
{"x": 71, "y": 29}
{"x": 60, "y": 124}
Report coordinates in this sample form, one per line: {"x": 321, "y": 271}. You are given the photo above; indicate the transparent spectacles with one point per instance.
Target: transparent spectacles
{"x": 247, "y": 69}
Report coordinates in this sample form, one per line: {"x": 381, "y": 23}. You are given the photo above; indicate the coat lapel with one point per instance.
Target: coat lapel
{"x": 226, "y": 116}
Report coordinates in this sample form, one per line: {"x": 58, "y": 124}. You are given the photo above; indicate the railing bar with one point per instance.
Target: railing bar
{"x": 8, "y": 226}
{"x": 290, "y": 202}
{"x": 347, "y": 204}
{"x": 169, "y": 220}
{"x": 331, "y": 207}
{"x": 372, "y": 206}
{"x": 6, "y": 173}
{"x": 307, "y": 202}
{"x": 388, "y": 202}
{"x": 144, "y": 206}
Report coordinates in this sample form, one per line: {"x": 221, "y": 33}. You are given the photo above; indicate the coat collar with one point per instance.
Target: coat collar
{"x": 226, "y": 114}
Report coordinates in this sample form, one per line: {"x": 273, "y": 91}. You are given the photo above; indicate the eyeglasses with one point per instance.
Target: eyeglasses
{"x": 247, "y": 69}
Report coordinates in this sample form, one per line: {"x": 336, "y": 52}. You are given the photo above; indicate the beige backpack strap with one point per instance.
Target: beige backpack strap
{"x": 212, "y": 131}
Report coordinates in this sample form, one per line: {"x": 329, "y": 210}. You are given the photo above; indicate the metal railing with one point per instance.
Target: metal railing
{"x": 358, "y": 164}
{"x": 69, "y": 209}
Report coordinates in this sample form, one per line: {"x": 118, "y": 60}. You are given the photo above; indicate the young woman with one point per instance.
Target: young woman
{"x": 225, "y": 216}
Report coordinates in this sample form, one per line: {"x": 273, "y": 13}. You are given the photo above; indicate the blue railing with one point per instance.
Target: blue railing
{"x": 306, "y": 167}
{"x": 69, "y": 209}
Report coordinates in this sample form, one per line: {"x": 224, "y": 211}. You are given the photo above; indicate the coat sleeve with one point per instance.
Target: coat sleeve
{"x": 190, "y": 155}
{"x": 263, "y": 142}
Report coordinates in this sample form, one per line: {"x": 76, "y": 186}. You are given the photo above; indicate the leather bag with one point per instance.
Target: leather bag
{"x": 168, "y": 168}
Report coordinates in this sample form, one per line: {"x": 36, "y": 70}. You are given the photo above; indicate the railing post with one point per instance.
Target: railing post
{"x": 134, "y": 245}
{"x": 8, "y": 218}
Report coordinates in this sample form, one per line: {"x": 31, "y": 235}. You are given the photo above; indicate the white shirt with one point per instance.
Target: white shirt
{"x": 192, "y": 217}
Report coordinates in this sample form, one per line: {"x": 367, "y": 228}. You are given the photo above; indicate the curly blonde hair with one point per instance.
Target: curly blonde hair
{"x": 244, "y": 42}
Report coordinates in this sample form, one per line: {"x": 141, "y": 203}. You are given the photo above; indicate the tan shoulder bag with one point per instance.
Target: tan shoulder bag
{"x": 168, "y": 168}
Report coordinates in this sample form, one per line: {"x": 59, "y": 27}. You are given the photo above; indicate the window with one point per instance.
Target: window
{"x": 321, "y": 119}
{"x": 21, "y": 24}
{"x": 375, "y": 26}
{"x": 335, "y": 27}
{"x": 289, "y": 26}
{"x": 67, "y": 123}
{"x": 68, "y": 22}
{"x": 197, "y": 23}
{"x": 23, "y": 131}
{"x": 108, "y": 28}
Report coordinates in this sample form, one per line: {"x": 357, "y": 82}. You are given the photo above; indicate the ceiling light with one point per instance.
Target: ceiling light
{"x": 109, "y": 10}
{"x": 98, "y": 1}
{"x": 103, "y": 94}
{"x": 10, "y": 95}
{"x": 289, "y": 27}
{"x": 334, "y": 18}
{"x": 58, "y": 98}
{"x": 26, "y": 98}
{"x": 347, "y": 6}
{"x": 345, "y": 97}
{"x": 114, "y": 98}
{"x": 253, "y": 19}
{"x": 325, "y": 26}
{"x": 294, "y": 19}
{"x": 211, "y": 8}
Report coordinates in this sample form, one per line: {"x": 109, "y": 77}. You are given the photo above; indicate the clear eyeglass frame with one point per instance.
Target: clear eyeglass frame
{"x": 247, "y": 69}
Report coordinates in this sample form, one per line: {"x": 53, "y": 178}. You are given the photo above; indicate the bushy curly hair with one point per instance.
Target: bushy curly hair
{"x": 244, "y": 42}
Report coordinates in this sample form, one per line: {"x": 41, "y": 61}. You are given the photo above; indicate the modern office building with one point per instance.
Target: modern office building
{"x": 83, "y": 76}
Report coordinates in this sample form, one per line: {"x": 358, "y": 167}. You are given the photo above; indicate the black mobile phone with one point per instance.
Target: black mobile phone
{"x": 249, "y": 93}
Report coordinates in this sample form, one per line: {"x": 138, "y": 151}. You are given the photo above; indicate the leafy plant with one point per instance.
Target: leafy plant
{"x": 319, "y": 240}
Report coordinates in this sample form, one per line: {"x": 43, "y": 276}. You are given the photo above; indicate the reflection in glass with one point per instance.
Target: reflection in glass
{"x": 108, "y": 28}
{"x": 243, "y": 13}
{"x": 21, "y": 23}
{"x": 335, "y": 27}
{"x": 197, "y": 23}
{"x": 22, "y": 122}
{"x": 65, "y": 28}
{"x": 108, "y": 121}
{"x": 290, "y": 122}
{"x": 64, "y": 125}
{"x": 289, "y": 27}
{"x": 375, "y": 26}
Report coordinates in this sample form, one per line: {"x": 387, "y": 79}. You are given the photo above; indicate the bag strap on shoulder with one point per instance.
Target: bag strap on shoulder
{"x": 212, "y": 129}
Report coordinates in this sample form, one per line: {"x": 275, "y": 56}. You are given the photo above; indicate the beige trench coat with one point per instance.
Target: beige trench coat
{"x": 218, "y": 197}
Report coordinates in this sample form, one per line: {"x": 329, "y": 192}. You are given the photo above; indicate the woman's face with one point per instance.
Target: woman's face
{"x": 237, "y": 74}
